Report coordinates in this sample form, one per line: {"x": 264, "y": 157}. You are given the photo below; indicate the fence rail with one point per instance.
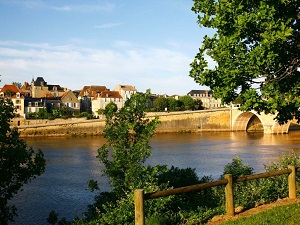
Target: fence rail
{"x": 140, "y": 197}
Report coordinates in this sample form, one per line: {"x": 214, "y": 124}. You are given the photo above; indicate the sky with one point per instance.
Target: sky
{"x": 146, "y": 44}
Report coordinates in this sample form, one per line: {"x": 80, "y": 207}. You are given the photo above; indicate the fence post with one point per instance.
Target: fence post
{"x": 292, "y": 182}
{"x": 139, "y": 207}
{"x": 229, "y": 195}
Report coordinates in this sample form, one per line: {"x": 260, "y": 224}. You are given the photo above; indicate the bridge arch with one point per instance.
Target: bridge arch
{"x": 260, "y": 122}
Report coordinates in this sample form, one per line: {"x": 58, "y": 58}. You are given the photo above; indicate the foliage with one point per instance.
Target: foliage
{"x": 261, "y": 191}
{"x": 198, "y": 104}
{"x": 42, "y": 113}
{"x": 172, "y": 104}
{"x": 53, "y": 217}
{"x": 195, "y": 207}
{"x": 256, "y": 53}
{"x": 127, "y": 132}
{"x": 63, "y": 110}
{"x": 18, "y": 84}
{"x": 237, "y": 168}
{"x": 160, "y": 103}
{"x": 18, "y": 163}
{"x": 187, "y": 102}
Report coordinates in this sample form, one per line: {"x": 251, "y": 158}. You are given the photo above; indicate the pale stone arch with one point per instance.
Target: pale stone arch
{"x": 240, "y": 121}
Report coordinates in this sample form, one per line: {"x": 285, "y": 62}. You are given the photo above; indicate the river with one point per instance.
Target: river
{"x": 71, "y": 162}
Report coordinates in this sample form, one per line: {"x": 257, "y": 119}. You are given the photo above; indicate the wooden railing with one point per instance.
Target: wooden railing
{"x": 140, "y": 197}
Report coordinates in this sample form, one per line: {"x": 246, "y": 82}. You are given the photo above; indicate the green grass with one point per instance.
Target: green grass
{"x": 279, "y": 215}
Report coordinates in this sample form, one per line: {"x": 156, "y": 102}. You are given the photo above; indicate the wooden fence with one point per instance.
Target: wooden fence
{"x": 140, "y": 197}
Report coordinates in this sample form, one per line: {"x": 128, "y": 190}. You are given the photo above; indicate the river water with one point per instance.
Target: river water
{"x": 71, "y": 162}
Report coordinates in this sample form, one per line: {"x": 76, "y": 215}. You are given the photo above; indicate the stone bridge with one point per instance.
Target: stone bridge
{"x": 225, "y": 119}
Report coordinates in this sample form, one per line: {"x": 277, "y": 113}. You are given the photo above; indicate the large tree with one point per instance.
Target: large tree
{"x": 18, "y": 163}
{"x": 256, "y": 50}
{"x": 188, "y": 103}
{"x": 128, "y": 134}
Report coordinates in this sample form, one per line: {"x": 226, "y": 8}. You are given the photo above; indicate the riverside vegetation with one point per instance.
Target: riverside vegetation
{"x": 128, "y": 133}
{"x": 19, "y": 164}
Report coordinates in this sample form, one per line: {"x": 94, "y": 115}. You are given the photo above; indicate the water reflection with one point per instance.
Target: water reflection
{"x": 71, "y": 162}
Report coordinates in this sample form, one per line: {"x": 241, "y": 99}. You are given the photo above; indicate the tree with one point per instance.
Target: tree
{"x": 172, "y": 104}
{"x": 18, "y": 163}
{"x": 18, "y": 84}
{"x": 187, "y": 102}
{"x": 128, "y": 133}
{"x": 256, "y": 50}
{"x": 160, "y": 103}
{"x": 198, "y": 104}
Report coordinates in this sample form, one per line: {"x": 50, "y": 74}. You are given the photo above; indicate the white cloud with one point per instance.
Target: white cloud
{"x": 161, "y": 70}
{"x": 85, "y": 8}
{"x": 108, "y": 25}
{"x": 45, "y": 5}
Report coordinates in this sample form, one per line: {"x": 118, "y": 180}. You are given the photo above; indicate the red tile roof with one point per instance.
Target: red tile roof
{"x": 10, "y": 87}
{"x": 91, "y": 91}
{"x": 110, "y": 94}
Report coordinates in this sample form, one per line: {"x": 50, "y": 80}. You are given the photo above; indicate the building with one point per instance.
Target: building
{"x": 126, "y": 91}
{"x": 206, "y": 97}
{"x": 101, "y": 100}
{"x": 70, "y": 100}
{"x": 12, "y": 92}
{"x": 39, "y": 88}
{"x": 86, "y": 94}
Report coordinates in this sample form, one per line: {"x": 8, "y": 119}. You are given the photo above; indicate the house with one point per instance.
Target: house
{"x": 12, "y": 92}
{"x": 101, "y": 100}
{"x": 25, "y": 89}
{"x": 206, "y": 97}
{"x": 34, "y": 105}
{"x": 86, "y": 94}
{"x": 126, "y": 91}
{"x": 70, "y": 100}
{"x": 39, "y": 88}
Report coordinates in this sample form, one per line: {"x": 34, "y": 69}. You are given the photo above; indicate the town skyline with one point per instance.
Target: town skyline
{"x": 144, "y": 44}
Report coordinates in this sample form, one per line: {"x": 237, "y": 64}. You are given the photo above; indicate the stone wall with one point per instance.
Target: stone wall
{"x": 195, "y": 121}
{"x": 191, "y": 121}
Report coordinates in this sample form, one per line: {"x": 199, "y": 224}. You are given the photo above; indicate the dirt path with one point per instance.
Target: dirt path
{"x": 220, "y": 219}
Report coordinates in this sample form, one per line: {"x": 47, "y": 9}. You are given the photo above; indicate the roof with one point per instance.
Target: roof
{"x": 39, "y": 81}
{"x": 48, "y": 95}
{"x": 25, "y": 86}
{"x": 109, "y": 94}
{"x": 195, "y": 92}
{"x": 92, "y": 90}
{"x": 51, "y": 86}
{"x": 10, "y": 87}
{"x": 127, "y": 88}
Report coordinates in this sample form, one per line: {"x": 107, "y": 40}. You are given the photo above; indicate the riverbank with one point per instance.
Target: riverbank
{"x": 173, "y": 122}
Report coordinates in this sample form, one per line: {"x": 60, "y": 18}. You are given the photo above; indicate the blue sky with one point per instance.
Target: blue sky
{"x": 147, "y": 44}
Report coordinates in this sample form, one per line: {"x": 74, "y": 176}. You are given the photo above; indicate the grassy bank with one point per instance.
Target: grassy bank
{"x": 284, "y": 214}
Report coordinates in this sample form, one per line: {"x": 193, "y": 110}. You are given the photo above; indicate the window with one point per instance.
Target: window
{"x": 29, "y": 104}
{"x": 18, "y": 101}
{"x": 36, "y": 104}
{"x": 18, "y": 95}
